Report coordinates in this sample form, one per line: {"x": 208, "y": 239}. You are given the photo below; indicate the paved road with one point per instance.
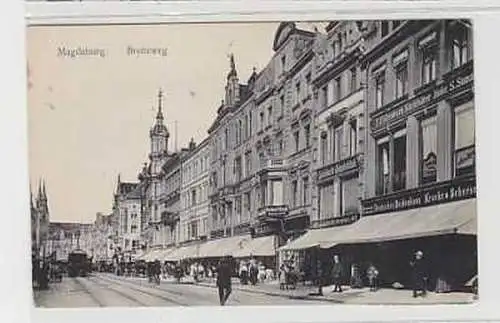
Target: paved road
{"x": 102, "y": 290}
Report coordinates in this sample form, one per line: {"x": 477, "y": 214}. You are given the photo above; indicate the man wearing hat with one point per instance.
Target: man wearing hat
{"x": 419, "y": 275}
{"x": 224, "y": 273}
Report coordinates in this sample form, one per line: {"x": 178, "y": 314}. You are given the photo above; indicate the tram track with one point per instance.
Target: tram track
{"x": 121, "y": 293}
{"x": 87, "y": 291}
{"x": 130, "y": 286}
{"x": 169, "y": 291}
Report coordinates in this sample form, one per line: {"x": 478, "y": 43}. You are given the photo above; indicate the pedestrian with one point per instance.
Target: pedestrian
{"x": 224, "y": 271}
{"x": 372, "y": 274}
{"x": 337, "y": 274}
{"x": 419, "y": 275}
{"x": 243, "y": 273}
{"x": 282, "y": 276}
{"x": 253, "y": 272}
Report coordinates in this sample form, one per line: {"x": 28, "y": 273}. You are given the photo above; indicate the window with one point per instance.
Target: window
{"x": 460, "y": 46}
{"x": 353, "y": 137}
{"x": 354, "y": 80}
{"x": 280, "y": 148}
{"x": 323, "y": 97}
{"x": 307, "y": 134}
{"x": 248, "y": 163}
{"x": 324, "y": 148}
{"x": 338, "y": 134}
{"x": 464, "y": 140}
{"x": 350, "y": 195}
{"x": 379, "y": 90}
{"x": 246, "y": 127}
{"x": 250, "y": 129}
{"x": 261, "y": 125}
{"x": 428, "y": 157}
{"x": 308, "y": 83}
{"x": 297, "y": 93}
{"x": 283, "y": 63}
{"x": 240, "y": 131}
{"x": 269, "y": 115}
{"x": 399, "y": 176}
{"x": 296, "y": 140}
{"x": 305, "y": 191}
{"x": 383, "y": 169}
{"x": 337, "y": 89}
{"x": 282, "y": 105}
{"x": 385, "y": 28}
{"x": 428, "y": 65}
{"x": 294, "y": 193}
{"x": 226, "y": 142}
{"x": 401, "y": 80}
{"x": 237, "y": 168}
{"x": 133, "y": 228}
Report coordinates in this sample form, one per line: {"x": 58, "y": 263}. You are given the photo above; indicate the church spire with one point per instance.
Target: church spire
{"x": 44, "y": 192}
{"x": 232, "y": 67}
{"x": 159, "y": 115}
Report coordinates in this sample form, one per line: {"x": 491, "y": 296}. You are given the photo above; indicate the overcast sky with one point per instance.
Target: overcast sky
{"x": 89, "y": 116}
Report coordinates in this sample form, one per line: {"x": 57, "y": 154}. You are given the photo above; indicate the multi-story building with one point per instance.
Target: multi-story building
{"x": 194, "y": 193}
{"x": 420, "y": 153}
{"x": 102, "y": 229}
{"x": 418, "y": 150}
{"x": 128, "y": 202}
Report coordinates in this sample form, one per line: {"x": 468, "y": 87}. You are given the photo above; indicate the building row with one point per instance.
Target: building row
{"x": 357, "y": 140}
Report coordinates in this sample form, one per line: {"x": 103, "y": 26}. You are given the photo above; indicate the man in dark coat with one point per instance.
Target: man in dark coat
{"x": 224, "y": 271}
{"x": 419, "y": 275}
{"x": 337, "y": 274}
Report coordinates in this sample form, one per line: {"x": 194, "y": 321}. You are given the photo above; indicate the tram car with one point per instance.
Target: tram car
{"x": 78, "y": 264}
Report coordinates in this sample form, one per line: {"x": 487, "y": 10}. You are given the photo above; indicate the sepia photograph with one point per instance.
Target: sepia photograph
{"x": 252, "y": 163}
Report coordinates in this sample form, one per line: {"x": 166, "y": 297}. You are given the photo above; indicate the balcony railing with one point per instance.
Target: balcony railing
{"x": 271, "y": 163}
{"x": 273, "y": 211}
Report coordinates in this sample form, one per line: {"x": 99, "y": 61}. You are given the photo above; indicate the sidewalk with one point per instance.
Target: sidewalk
{"x": 386, "y": 296}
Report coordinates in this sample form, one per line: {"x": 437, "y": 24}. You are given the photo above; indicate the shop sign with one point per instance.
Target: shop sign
{"x": 413, "y": 105}
{"x": 449, "y": 191}
{"x": 338, "y": 168}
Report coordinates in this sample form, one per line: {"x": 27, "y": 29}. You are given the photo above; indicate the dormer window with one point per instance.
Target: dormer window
{"x": 385, "y": 28}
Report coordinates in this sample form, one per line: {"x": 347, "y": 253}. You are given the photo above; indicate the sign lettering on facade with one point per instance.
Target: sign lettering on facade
{"x": 418, "y": 102}
{"x": 446, "y": 192}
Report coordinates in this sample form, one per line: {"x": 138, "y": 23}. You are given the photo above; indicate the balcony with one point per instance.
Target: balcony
{"x": 332, "y": 221}
{"x": 272, "y": 212}
{"x": 272, "y": 164}
{"x": 169, "y": 218}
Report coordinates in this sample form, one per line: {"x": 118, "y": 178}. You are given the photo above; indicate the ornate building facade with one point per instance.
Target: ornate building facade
{"x": 194, "y": 193}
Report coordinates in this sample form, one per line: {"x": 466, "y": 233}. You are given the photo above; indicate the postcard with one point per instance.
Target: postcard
{"x": 266, "y": 163}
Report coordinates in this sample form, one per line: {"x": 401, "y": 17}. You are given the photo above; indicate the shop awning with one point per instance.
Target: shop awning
{"x": 222, "y": 247}
{"x": 447, "y": 218}
{"x": 152, "y": 255}
{"x": 181, "y": 253}
{"x": 315, "y": 238}
{"x": 259, "y": 247}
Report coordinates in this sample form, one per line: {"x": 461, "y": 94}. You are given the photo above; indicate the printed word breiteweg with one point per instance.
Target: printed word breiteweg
{"x": 80, "y": 51}
{"x": 131, "y": 51}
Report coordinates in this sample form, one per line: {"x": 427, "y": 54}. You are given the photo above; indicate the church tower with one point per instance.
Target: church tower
{"x": 159, "y": 139}
{"x": 233, "y": 85}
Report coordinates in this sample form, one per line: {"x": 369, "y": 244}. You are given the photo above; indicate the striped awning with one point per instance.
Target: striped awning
{"x": 447, "y": 218}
